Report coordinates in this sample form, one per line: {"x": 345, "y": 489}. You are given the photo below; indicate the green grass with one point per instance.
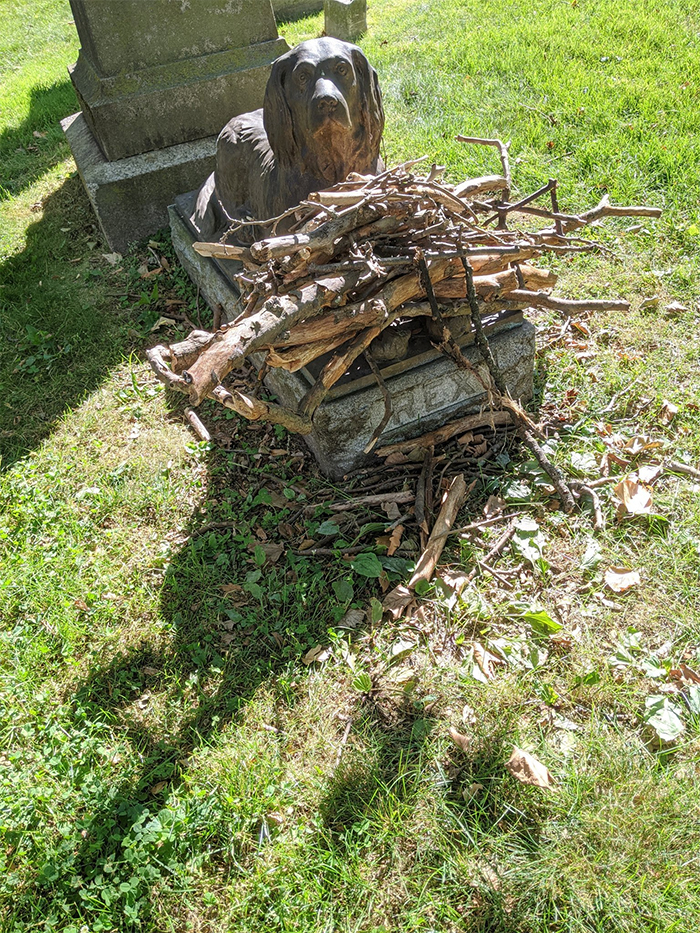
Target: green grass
{"x": 167, "y": 761}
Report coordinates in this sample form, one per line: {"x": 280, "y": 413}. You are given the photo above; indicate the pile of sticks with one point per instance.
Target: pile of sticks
{"x": 362, "y": 258}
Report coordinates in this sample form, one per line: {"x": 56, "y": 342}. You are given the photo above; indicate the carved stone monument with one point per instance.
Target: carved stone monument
{"x": 345, "y": 19}
{"x": 156, "y": 80}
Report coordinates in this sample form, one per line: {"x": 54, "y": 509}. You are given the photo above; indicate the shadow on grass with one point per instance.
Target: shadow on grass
{"x": 170, "y": 695}
{"x": 60, "y": 331}
{"x": 24, "y": 156}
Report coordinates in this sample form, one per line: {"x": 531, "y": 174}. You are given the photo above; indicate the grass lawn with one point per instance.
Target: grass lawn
{"x": 168, "y": 762}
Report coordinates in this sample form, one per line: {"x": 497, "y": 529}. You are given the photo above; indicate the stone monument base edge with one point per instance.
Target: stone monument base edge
{"x": 131, "y": 196}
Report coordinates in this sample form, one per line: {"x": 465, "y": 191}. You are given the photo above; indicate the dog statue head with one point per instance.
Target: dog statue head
{"x": 323, "y": 110}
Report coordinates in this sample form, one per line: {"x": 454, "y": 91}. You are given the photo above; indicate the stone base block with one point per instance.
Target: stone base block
{"x": 346, "y": 19}
{"x": 423, "y": 397}
{"x": 131, "y": 196}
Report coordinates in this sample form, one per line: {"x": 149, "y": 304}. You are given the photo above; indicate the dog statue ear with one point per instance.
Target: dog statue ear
{"x": 277, "y": 117}
{"x": 371, "y": 101}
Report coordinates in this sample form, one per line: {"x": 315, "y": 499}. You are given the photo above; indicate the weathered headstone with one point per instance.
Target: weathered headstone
{"x": 346, "y": 19}
{"x": 156, "y": 80}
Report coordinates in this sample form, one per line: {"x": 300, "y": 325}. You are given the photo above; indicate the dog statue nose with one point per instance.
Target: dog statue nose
{"x": 326, "y": 104}
{"x": 325, "y": 97}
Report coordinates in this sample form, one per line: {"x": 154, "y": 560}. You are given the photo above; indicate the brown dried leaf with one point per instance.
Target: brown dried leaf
{"x": 635, "y": 499}
{"x": 397, "y": 602}
{"x": 157, "y": 788}
{"x": 528, "y": 770}
{"x": 236, "y": 593}
{"x": 689, "y": 674}
{"x": 494, "y": 506}
{"x": 395, "y": 540}
{"x": 461, "y": 741}
{"x": 396, "y": 458}
{"x": 650, "y": 472}
{"x": 668, "y": 412}
{"x": 286, "y": 530}
{"x": 273, "y": 550}
{"x": 621, "y": 579}
{"x": 392, "y": 510}
{"x": 316, "y": 655}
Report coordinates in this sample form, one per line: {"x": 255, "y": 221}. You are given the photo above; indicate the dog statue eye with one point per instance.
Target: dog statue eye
{"x": 303, "y": 78}
{"x": 342, "y": 69}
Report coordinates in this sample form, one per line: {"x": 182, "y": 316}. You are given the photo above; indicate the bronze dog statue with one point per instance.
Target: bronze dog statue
{"x": 322, "y": 119}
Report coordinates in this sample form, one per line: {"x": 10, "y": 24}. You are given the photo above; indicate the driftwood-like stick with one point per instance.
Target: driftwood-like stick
{"x": 485, "y": 419}
{"x": 476, "y": 186}
{"x": 502, "y": 151}
{"x": 279, "y": 313}
{"x": 568, "y": 306}
{"x": 495, "y": 551}
{"x": 197, "y": 425}
{"x": 157, "y": 357}
{"x": 334, "y": 369}
{"x": 254, "y": 409}
{"x": 603, "y": 209}
{"x": 388, "y": 410}
{"x": 322, "y": 238}
{"x": 362, "y": 502}
{"x": 223, "y": 251}
{"x": 451, "y": 504}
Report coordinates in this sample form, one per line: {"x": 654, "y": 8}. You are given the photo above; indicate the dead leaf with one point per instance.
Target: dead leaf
{"x": 318, "y": 655}
{"x": 150, "y": 671}
{"x": 306, "y": 544}
{"x": 466, "y": 438}
{"x": 469, "y": 793}
{"x": 398, "y": 601}
{"x": 396, "y": 458}
{"x": 494, "y": 506}
{"x": 149, "y": 274}
{"x": 236, "y": 593}
{"x": 286, "y": 530}
{"x": 640, "y": 443}
{"x": 227, "y": 640}
{"x": 485, "y": 659}
{"x": 621, "y": 579}
{"x": 352, "y": 618}
{"x": 157, "y": 788}
{"x": 689, "y": 673}
{"x": 392, "y": 510}
{"x": 112, "y": 258}
{"x": 395, "y": 540}
{"x": 675, "y": 308}
{"x": 461, "y": 741}
{"x": 81, "y": 604}
{"x": 528, "y": 770}
{"x": 668, "y": 412}
{"x": 273, "y": 550}
{"x": 648, "y": 473}
{"x": 39, "y": 135}
{"x": 163, "y": 322}
{"x": 635, "y": 499}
